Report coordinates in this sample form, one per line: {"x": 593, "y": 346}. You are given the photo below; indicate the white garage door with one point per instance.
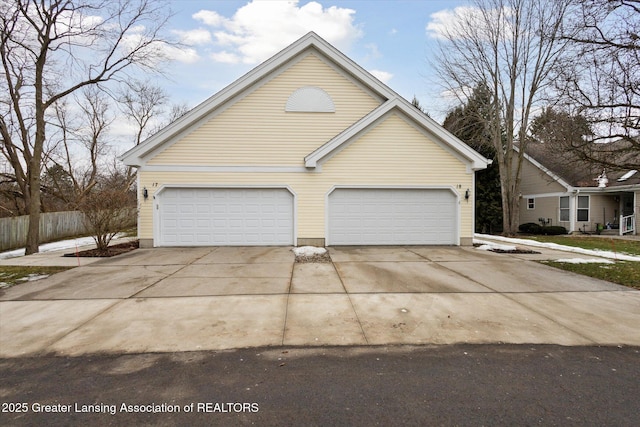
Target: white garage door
{"x": 225, "y": 217}
{"x": 392, "y": 217}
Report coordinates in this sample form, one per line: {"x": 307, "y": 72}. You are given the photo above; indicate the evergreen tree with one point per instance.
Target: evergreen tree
{"x": 468, "y": 123}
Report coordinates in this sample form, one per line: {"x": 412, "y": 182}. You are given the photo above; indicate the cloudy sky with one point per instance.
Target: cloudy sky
{"x": 225, "y": 39}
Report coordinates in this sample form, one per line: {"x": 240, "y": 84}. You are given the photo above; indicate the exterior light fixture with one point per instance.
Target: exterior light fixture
{"x": 145, "y": 193}
{"x": 467, "y": 194}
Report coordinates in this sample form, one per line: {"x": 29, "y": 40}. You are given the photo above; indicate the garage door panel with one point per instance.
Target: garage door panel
{"x": 392, "y": 217}
{"x": 219, "y": 216}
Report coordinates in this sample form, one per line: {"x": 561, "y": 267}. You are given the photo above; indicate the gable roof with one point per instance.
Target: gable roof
{"x": 572, "y": 172}
{"x": 138, "y": 155}
{"x": 547, "y": 171}
{"x": 333, "y": 146}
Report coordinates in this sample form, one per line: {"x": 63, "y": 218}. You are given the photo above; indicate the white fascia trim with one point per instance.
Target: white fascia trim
{"x": 543, "y": 195}
{"x": 362, "y": 77}
{"x": 324, "y": 151}
{"x": 547, "y": 171}
{"x": 327, "y": 150}
{"x": 224, "y": 186}
{"x": 478, "y": 162}
{"x": 444, "y": 145}
{"x": 226, "y": 169}
{"x": 393, "y": 187}
{"x": 615, "y": 189}
{"x": 134, "y": 157}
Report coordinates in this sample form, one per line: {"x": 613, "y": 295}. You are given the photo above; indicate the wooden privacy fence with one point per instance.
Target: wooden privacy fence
{"x": 53, "y": 226}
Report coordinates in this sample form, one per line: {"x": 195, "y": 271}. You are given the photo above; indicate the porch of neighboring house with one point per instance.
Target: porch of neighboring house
{"x": 612, "y": 213}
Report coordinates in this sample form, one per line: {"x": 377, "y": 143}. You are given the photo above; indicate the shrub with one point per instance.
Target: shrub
{"x": 554, "y": 230}
{"x": 530, "y": 228}
{"x": 533, "y": 228}
{"x": 107, "y": 211}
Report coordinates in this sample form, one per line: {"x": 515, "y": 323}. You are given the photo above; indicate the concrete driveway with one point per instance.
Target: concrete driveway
{"x": 185, "y": 299}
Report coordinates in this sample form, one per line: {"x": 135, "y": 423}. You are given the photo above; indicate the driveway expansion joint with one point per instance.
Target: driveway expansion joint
{"x": 171, "y": 274}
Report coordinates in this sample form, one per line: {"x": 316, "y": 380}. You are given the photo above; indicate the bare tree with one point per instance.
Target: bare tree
{"x": 142, "y": 102}
{"x": 175, "y": 112}
{"x": 52, "y": 49}
{"x": 602, "y": 82}
{"x": 510, "y": 47}
{"x": 83, "y": 135}
{"x": 145, "y": 104}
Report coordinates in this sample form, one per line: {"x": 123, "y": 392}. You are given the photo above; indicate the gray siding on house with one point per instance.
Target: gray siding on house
{"x": 545, "y": 207}
{"x": 602, "y": 209}
{"x": 535, "y": 181}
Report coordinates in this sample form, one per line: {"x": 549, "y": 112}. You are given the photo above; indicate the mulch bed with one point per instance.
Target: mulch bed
{"x": 508, "y": 251}
{"x": 114, "y": 250}
{"x": 314, "y": 258}
{"x": 514, "y": 251}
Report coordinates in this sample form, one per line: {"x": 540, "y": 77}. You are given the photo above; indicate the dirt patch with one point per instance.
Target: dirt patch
{"x": 114, "y": 250}
{"x": 514, "y": 251}
{"x": 325, "y": 257}
{"x": 507, "y": 251}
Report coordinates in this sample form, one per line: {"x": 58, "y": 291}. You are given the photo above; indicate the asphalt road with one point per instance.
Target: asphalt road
{"x": 355, "y": 386}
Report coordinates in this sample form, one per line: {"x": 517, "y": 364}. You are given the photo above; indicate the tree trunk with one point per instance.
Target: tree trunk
{"x": 509, "y": 185}
{"x": 511, "y": 213}
{"x": 35, "y": 162}
{"x": 33, "y": 206}
{"x": 33, "y": 232}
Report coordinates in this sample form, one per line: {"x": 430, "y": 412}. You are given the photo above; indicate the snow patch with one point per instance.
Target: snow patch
{"x": 557, "y": 247}
{"x": 56, "y": 246}
{"x": 585, "y": 261}
{"x": 488, "y": 246}
{"x": 33, "y": 277}
{"x": 309, "y": 251}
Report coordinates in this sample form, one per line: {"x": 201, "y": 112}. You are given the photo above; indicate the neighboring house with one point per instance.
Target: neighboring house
{"x": 579, "y": 197}
{"x": 306, "y": 149}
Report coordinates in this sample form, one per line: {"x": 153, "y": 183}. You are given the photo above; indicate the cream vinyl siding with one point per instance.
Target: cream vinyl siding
{"x": 535, "y": 181}
{"x": 256, "y": 130}
{"x": 393, "y": 153}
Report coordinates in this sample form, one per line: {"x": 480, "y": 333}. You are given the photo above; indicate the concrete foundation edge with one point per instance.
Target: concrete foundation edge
{"x": 466, "y": 241}
{"x": 305, "y": 241}
{"x": 145, "y": 243}
{"x": 302, "y": 241}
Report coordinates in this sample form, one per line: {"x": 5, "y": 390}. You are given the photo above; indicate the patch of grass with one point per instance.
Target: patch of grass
{"x": 625, "y": 273}
{"x": 12, "y": 275}
{"x": 631, "y": 247}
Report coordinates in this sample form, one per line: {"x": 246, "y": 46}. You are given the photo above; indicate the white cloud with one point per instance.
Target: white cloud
{"x": 186, "y": 55}
{"x": 383, "y": 76}
{"x": 445, "y": 21}
{"x": 260, "y": 29}
{"x": 208, "y": 17}
{"x": 226, "y": 57}
{"x": 199, "y": 36}
{"x": 448, "y": 24}
{"x": 158, "y": 51}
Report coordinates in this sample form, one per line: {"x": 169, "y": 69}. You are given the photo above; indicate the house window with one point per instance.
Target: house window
{"x": 583, "y": 208}
{"x": 564, "y": 208}
{"x": 531, "y": 203}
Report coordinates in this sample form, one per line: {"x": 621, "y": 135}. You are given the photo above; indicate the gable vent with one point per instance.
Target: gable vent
{"x": 310, "y": 99}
